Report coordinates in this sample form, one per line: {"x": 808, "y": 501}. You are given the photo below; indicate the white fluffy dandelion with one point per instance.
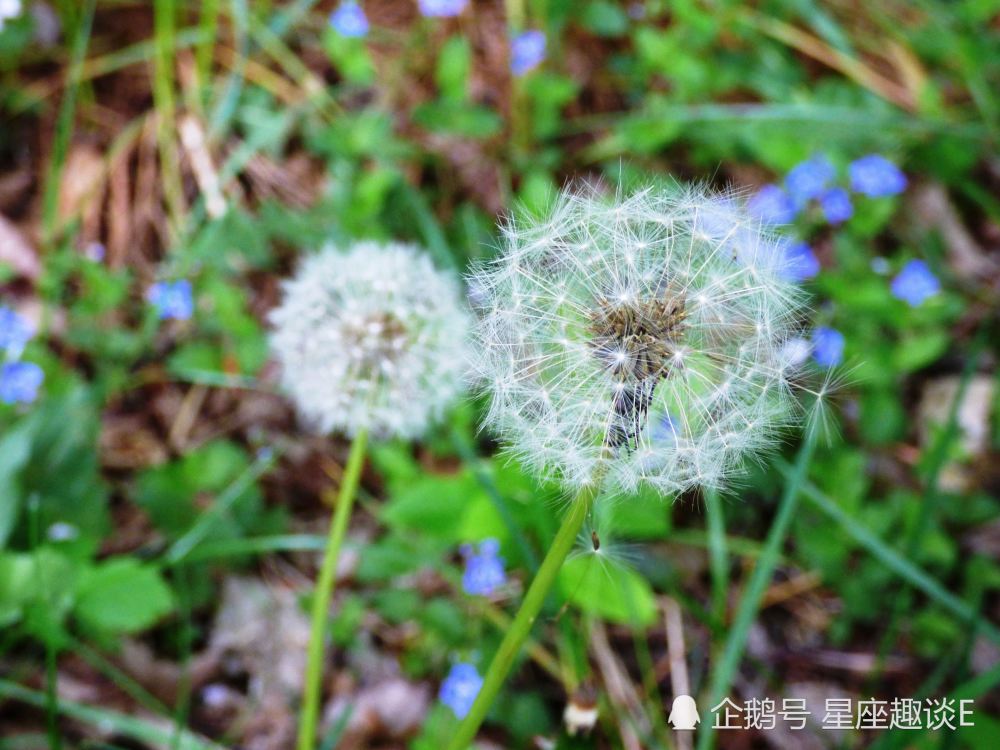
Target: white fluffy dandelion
{"x": 371, "y": 339}
{"x": 9, "y": 9}
{"x": 643, "y": 339}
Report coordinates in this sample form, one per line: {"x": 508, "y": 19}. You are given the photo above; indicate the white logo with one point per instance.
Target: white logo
{"x": 684, "y": 713}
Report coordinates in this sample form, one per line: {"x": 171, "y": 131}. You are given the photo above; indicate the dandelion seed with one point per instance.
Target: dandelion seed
{"x": 795, "y": 351}
{"x": 915, "y": 284}
{"x": 666, "y": 307}
{"x": 372, "y": 338}
{"x": 460, "y": 688}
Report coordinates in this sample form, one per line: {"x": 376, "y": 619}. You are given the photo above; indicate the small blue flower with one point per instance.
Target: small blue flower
{"x": 349, "y": 20}
{"x": 95, "y": 251}
{"x": 836, "y": 205}
{"x": 441, "y": 8}
{"x": 665, "y": 429}
{"x": 794, "y": 352}
{"x": 915, "y": 283}
{"x": 828, "y": 347}
{"x": 800, "y": 263}
{"x": 876, "y": 176}
{"x": 808, "y": 179}
{"x": 527, "y": 50}
{"x": 772, "y": 205}
{"x": 172, "y": 299}
{"x": 879, "y": 265}
{"x": 15, "y": 332}
{"x": 19, "y": 382}
{"x": 460, "y": 688}
{"x": 484, "y": 571}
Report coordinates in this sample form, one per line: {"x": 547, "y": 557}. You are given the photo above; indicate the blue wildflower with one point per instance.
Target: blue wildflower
{"x": 460, "y": 688}
{"x": 828, "y": 346}
{"x": 172, "y": 299}
{"x": 19, "y": 382}
{"x": 808, "y": 179}
{"x": 772, "y": 205}
{"x": 15, "y": 332}
{"x": 349, "y": 20}
{"x": 665, "y": 429}
{"x": 800, "y": 263}
{"x": 915, "y": 283}
{"x": 95, "y": 251}
{"x": 876, "y": 176}
{"x": 879, "y": 265}
{"x": 484, "y": 571}
{"x": 527, "y": 51}
{"x": 794, "y": 351}
{"x": 836, "y": 205}
{"x": 441, "y": 8}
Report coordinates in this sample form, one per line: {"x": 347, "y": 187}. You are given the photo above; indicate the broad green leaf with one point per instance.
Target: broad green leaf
{"x": 122, "y": 596}
{"x": 607, "y": 590}
{"x": 15, "y": 448}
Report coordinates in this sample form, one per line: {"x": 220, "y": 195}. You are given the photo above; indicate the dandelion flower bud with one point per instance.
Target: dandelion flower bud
{"x": 641, "y": 339}
{"x": 371, "y": 339}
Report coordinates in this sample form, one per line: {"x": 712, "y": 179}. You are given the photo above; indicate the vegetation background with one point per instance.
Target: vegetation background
{"x": 161, "y": 509}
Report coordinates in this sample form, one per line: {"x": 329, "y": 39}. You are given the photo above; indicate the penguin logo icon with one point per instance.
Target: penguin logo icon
{"x": 684, "y": 713}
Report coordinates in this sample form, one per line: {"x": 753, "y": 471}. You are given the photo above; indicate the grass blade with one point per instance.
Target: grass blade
{"x": 64, "y": 124}
{"x": 722, "y": 676}
{"x": 141, "y": 730}
{"x": 896, "y": 562}
{"x": 718, "y": 555}
{"x": 180, "y": 549}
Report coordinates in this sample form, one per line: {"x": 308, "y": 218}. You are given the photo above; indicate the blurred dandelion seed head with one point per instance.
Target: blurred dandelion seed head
{"x": 372, "y": 338}
{"x": 613, "y": 316}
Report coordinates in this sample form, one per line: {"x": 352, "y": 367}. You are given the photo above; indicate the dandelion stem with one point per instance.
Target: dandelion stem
{"x": 519, "y": 630}
{"x": 309, "y": 715}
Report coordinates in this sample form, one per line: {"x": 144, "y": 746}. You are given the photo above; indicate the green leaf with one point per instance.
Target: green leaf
{"x": 17, "y": 586}
{"x": 605, "y": 18}
{"x": 606, "y": 590}
{"x": 645, "y": 516}
{"x": 15, "y": 448}
{"x": 122, "y": 596}
{"x": 453, "y": 68}
{"x": 917, "y": 351}
{"x": 453, "y": 508}
{"x": 468, "y": 120}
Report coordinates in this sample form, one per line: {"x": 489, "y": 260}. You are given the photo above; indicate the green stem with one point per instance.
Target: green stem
{"x": 208, "y": 25}
{"x": 165, "y": 30}
{"x": 530, "y": 607}
{"x": 324, "y": 591}
{"x": 749, "y": 604}
{"x": 718, "y": 558}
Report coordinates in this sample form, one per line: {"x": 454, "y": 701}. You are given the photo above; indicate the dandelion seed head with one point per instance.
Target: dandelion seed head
{"x": 646, "y": 334}
{"x": 372, "y": 338}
